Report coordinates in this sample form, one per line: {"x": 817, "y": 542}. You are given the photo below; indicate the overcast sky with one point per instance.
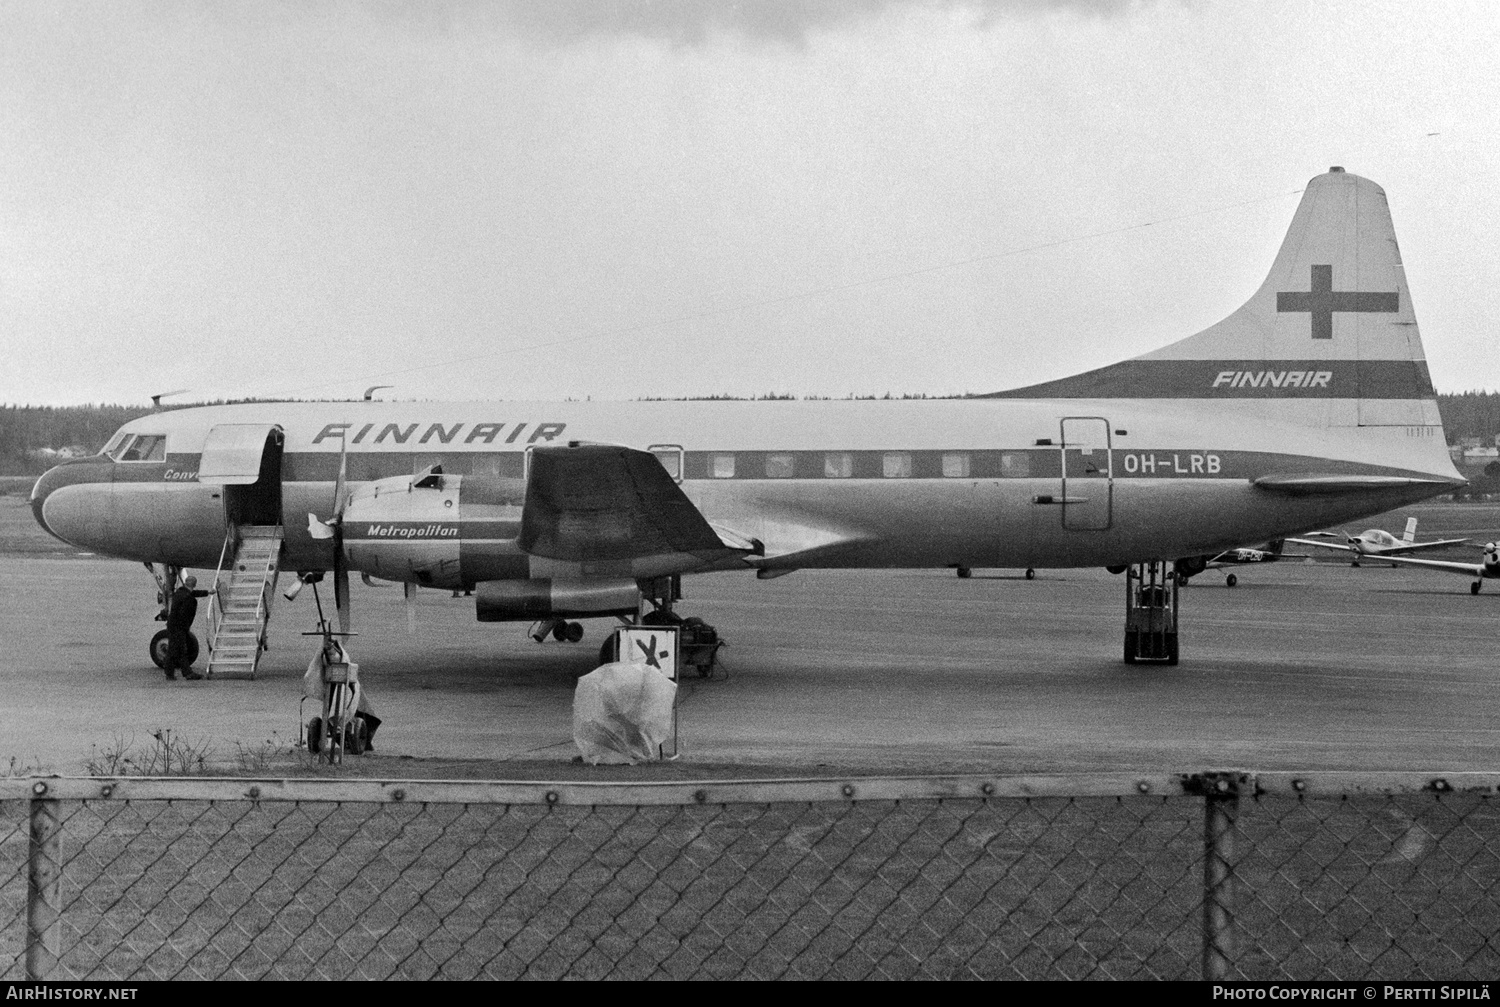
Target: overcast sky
{"x": 624, "y": 199}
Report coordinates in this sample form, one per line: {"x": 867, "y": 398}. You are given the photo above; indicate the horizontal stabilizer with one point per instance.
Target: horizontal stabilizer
{"x": 599, "y": 502}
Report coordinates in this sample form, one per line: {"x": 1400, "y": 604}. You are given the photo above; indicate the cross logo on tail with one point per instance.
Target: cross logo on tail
{"x": 1322, "y": 301}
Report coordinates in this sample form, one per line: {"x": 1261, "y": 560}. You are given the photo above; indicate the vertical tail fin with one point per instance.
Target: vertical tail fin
{"x": 1329, "y": 339}
{"x": 1411, "y": 531}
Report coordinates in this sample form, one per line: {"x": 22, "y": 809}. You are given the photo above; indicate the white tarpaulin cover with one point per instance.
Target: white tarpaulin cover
{"x": 622, "y": 713}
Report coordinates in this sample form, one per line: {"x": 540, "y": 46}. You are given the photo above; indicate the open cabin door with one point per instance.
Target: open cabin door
{"x": 245, "y": 458}
{"x": 1087, "y": 473}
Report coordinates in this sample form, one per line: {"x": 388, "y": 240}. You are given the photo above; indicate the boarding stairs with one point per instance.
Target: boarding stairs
{"x": 240, "y": 605}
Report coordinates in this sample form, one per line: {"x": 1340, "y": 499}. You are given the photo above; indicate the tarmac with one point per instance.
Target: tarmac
{"x": 1301, "y": 667}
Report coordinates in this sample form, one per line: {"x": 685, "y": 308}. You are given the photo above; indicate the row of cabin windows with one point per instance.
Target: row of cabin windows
{"x": 841, "y": 465}
{"x": 725, "y": 465}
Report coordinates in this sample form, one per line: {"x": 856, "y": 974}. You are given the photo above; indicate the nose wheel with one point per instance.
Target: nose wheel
{"x": 158, "y": 649}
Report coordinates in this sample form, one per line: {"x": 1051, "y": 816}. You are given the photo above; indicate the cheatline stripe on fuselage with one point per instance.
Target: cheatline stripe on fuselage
{"x": 1020, "y": 463}
{"x": 400, "y": 531}
{"x": 1238, "y": 379}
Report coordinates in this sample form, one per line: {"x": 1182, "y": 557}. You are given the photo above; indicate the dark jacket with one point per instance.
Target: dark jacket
{"x": 184, "y": 608}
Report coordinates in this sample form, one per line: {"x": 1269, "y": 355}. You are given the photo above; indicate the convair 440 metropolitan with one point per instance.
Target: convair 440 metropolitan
{"x": 1309, "y": 406}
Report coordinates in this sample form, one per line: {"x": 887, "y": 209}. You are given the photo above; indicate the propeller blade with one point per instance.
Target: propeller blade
{"x": 411, "y": 608}
{"x": 341, "y": 588}
{"x": 335, "y": 530}
{"x": 340, "y": 485}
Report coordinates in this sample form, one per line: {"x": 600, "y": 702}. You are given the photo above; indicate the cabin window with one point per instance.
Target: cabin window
{"x": 896, "y": 465}
{"x": 506, "y": 465}
{"x": 955, "y": 465}
{"x": 779, "y": 466}
{"x": 670, "y": 457}
{"x": 838, "y": 465}
{"x": 1015, "y": 464}
{"x": 721, "y": 466}
{"x": 145, "y": 448}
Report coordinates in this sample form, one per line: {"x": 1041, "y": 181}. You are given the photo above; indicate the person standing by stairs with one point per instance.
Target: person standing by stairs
{"x": 182, "y": 609}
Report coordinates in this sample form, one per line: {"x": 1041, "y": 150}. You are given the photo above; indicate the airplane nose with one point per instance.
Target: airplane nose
{"x": 69, "y": 473}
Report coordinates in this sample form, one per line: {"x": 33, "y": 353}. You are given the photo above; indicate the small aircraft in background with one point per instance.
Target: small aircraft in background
{"x": 1486, "y": 569}
{"x": 1378, "y": 544}
{"x": 1269, "y": 552}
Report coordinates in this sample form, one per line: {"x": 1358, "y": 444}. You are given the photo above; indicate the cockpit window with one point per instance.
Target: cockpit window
{"x": 143, "y": 448}
{"x": 112, "y": 449}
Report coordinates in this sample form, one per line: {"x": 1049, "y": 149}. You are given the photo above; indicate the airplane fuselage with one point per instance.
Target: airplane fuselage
{"x": 872, "y": 484}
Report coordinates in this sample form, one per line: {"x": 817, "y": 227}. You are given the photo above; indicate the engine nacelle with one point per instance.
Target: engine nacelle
{"x": 438, "y": 530}
{"x": 541, "y": 598}
{"x": 1191, "y": 566}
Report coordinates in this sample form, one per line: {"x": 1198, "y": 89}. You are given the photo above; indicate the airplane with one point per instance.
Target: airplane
{"x": 1486, "y": 569}
{"x": 1309, "y": 405}
{"x": 1270, "y": 552}
{"x": 1379, "y": 544}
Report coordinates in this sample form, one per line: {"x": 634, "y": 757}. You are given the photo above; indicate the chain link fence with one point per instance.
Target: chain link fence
{"x": 1255, "y": 876}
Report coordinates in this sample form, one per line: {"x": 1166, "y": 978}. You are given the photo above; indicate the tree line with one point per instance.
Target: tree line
{"x": 27, "y": 433}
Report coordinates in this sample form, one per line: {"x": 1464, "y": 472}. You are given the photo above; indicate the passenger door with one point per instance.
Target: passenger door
{"x": 1087, "y": 473}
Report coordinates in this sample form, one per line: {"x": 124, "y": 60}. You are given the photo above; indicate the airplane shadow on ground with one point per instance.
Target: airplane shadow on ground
{"x": 1435, "y": 591}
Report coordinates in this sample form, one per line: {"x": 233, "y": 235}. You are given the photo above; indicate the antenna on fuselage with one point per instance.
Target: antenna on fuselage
{"x": 156, "y": 399}
{"x": 370, "y": 392}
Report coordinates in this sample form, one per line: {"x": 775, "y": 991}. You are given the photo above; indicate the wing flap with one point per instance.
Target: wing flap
{"x": 1323, "y": 544}
{"x": 600, "y": 502}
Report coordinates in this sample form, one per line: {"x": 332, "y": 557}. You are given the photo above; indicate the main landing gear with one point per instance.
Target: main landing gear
{"x": 698, "y": 643}
{"x": 1151, "y": 613}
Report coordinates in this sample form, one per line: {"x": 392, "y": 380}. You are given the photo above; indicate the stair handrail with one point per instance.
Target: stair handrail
{"x": 216, "y": 604}
{"x": 263, "y": 601}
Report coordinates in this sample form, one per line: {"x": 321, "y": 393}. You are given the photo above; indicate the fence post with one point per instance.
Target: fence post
{"x": 1221, "y": 805}
{"x": 43, "y": 886}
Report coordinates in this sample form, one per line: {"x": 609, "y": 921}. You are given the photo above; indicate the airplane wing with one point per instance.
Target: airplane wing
{"x": 1323, "y": 545}
{"x": 1467, "y": 569}
{"x": 601, "y": 502}
{"x": 1401, "y": 550}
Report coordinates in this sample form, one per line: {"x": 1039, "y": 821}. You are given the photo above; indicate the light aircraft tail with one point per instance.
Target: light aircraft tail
{"x": 1329, "y": 340}
{"x": 1411, "y": 531}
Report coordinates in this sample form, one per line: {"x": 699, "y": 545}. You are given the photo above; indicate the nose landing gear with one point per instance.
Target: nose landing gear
{"x": 158, "y": 648}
